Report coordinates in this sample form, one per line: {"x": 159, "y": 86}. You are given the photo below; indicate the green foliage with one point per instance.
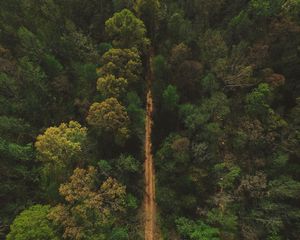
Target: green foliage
{"x": 61, "y": 145}
{"x": 227, "y": 222}
{"x": 209, "y": 83}
{"x": 170, "y": 98}
{"x": 30, "y": 44}
{"x": 128, "y": 164}
{"x": 257, "y": 100}
{"x": 213, "y": 46}
{"x": 228, "y": 178}
{"x": 136, "y": 113}
{"x": 265, "y": 8}
{"x": 76, "y": 44}
{"x": 59, "y": 149}
{"x": 284, "y": 188}
{"x": 122, "y": 63}
{"x": 52, "y": 66}
{"x": 104, "y": 47}
{"x": 215, "y": 108}
{"x": 127, "y": 31}
{"x": 291, "y": 8}
{"x": 8, "y": 88}
{"x": 110, "y": 116}
{"x": 196, "y": 230}
{"x": 121, "y": 4}
{"x": 32, "y": 223}
{"x": 11, "y": 127}
{"x": 119, "y": 234}
{"x": 179, "y": 28}
{"x": 160, "y": 66}
{"x": 110, "y": 86}
{"x": 149, "y": 11}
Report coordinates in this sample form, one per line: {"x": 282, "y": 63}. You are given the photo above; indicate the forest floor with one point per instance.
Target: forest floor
{"x": 149, "y": 198}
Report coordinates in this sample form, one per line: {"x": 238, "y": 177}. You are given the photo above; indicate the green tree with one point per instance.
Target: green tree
{"x": 30, "y": 45}
{"x": 257, "y": 100}
{"x": 33, "y": 223}
{"x": 35, "y": 90}
{"x": 212, "y": 110}
{"x": 148, "y": 11}
{"x": 52, "y": 66}
{"x": 121, "y": 4}
{"x": 170, "y": 98}
{"x": 196, "y": 230}
{"x": 76, "y": 45}
{"x": 127, "y": 31}
{"x": 180, "y": 28}
{"x": 136, "y": 113}
{"x": 205, "y": 13}
{"x": 213, "y": 46}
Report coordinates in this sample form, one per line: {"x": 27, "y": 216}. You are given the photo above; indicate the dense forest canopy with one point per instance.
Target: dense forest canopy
{"x": 226, "y": 118}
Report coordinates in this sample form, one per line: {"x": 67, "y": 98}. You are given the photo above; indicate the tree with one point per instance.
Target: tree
{"x": 121, "y": 4}
{"x": 33, "y": 223}
{"x": 149, "y": 11}
{"x": 187, "y": 78}
{"x": 173, "y": 159}
{"x": 212, "y": 110}
{"x": 110, "y": 86}
{"x": 18, "y": 178}
{"x": 257, "y": 100}
{"x": 51, "y": 65}
{"x": 109, "y": 116}
{"x": 196, "y": 230}
{"x": 76, "y": 45}
{"x": 30, "y": 44}
{"x": 170, "y": 98}
{"x": 213, "y": 46}
{"x": 127, "y": 31}
{"x": 60, "y": 149}
{"x": 160, "y": 67}
{"x": 35, "y": 90}
{"x": 179, "y": 53}
{"x": 209, "y": 84}
{"x": 91, "y": 209}
{"x": 136, "y": 113}
{"x": 62, "y": 145}
{"x": 225, "y": 220}
{"x": 264, "y": 8}
{"x": 205, "y": 13}
{"x": 179, "y": 28}
{"x": 122, "y": 63}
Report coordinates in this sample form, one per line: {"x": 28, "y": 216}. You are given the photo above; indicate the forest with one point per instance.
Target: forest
{"x": 150, "y": 119}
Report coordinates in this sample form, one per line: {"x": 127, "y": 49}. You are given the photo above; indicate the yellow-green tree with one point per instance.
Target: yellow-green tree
{"x": 90, "y": 209}
{"x": 61, "y": 145}
{"x": 60, "y": 149}
{"x": 126, "y": 31}
{"x": 110, "y": 116}
{"x": 122, "y": 63}
{"x": 110, "y": 86}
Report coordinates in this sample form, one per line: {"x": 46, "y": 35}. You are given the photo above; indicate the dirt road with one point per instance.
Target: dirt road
{"x": 149, "y": 198}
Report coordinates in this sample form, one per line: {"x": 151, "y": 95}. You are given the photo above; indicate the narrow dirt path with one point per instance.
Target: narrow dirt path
{"x": 149, "y": 198}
